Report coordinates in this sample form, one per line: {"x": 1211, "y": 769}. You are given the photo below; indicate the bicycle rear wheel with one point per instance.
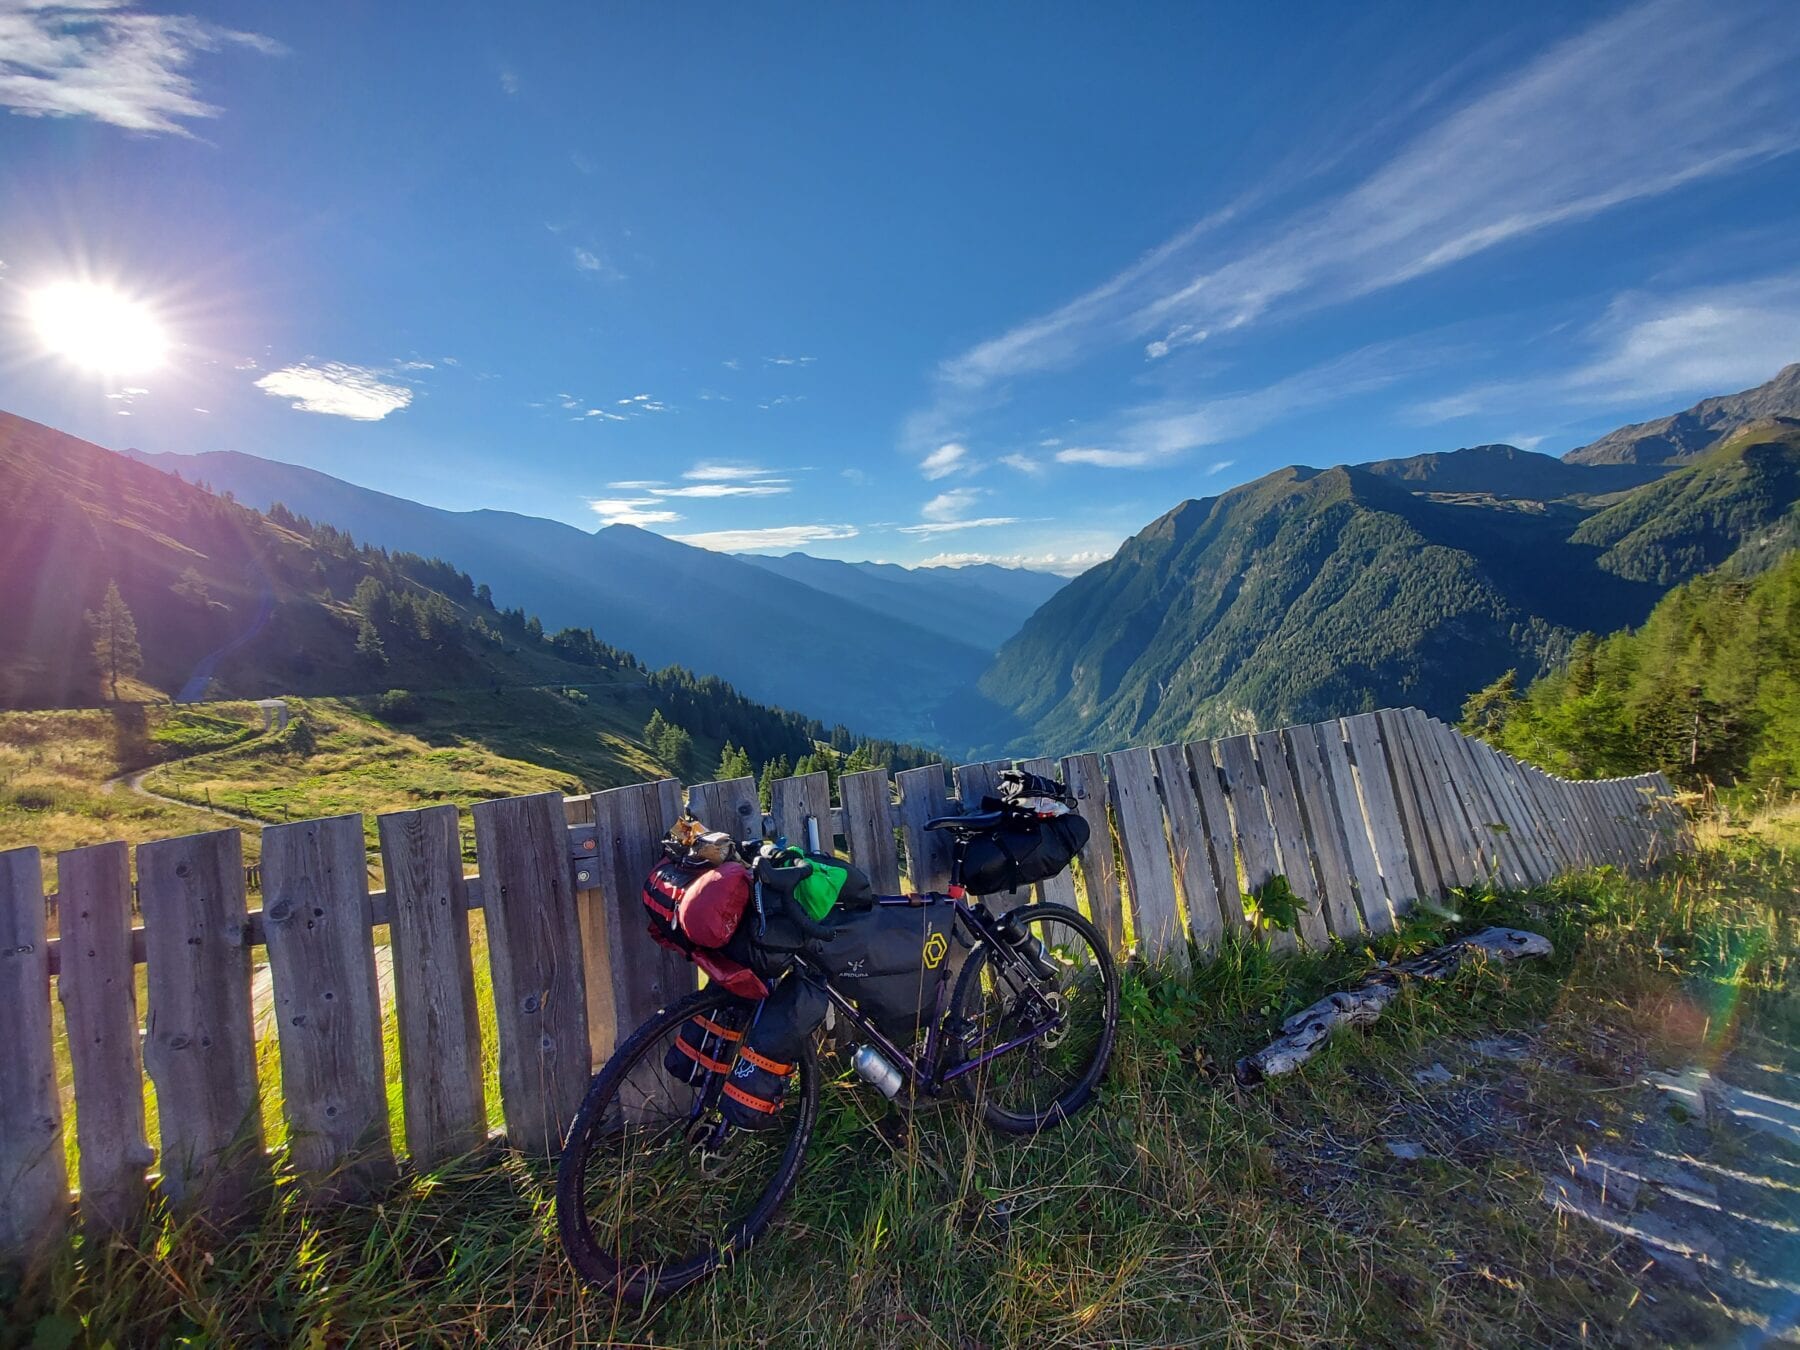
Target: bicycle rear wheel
{"x": 1050, "y": 1077}
{"x": 654, "y": 1189}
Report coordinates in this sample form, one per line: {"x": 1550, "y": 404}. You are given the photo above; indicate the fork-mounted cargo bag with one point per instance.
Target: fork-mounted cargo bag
{"x": 751, "y": 1097}
{"x": 708, "y": 1043}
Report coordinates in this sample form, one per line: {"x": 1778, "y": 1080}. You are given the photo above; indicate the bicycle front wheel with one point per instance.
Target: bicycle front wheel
{"x": 1002, "y": 996}
{"x": 654, "y": 1189}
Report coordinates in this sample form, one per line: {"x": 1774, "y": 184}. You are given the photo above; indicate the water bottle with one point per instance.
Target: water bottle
{"x": 1027, "y": 945}
{"x": 873, "y": 1068}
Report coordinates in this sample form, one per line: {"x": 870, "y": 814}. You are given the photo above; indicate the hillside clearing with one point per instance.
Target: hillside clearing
{"x": 1393, "y": 1192}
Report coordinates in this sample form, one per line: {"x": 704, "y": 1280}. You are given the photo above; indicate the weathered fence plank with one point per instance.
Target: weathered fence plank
{"x": 1086, "y": 780}
{"x": 1320, "y": 821}
{"x": 632, "y": 976}
{"x": 1059, "y": 889}
{"x": 1531, "y": 833}
{"x": 1187, "y": 837}
{"x": 1381, "y": 808}
{"x": 34, "y": 1178}
{"x": 1460, "y": 857}
{"x": 434, "y": 985}
{"x": 975, "y": 781}
{"x": 1496, "y": 857}
{"x": 1148, "y": 871}
{"x": 793, "y": 800}
{"x": 327, "y": 1005}
{"x": 1250, "y": 821}
{"x": 1290, "y": 838}
{"x": 534, "y": 950}
{"x": 1215, "y": 820}
{"x": 928, "y": 852}
{"x": 869, "y": 827}
{"x": 1340, "y": 787}
{"x": 1415, "y": 811}
{"x": 200, "y": 1042}
{"x": 98, "y": 989}
{"x": 730, "y": 805}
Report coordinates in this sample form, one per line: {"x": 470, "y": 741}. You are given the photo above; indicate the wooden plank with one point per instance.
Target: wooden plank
{"x": 1149, "y": 874}
{"x": 1059, "y": 889}
{"x": 1291, "y": 838}
{"x": 1353, "y": 827}
{"x": 1099, "y": 863}
{"x": 34, "y": 1178}
{"x": 1498, "y": 855}
{"x": 534, "y": 950}
{"x": 1552, "y": 810}
{"x": 200, "y": 1043}
{"x": 794, "y": 799}
{"x": 1255, "y": 832}
{"x": 869, "y": 827}
{"x": 975, "y": 781}
{"x": 434, "y": 986}
{"x": 98, "y": 989}
{"x": 631, "y": 976}
{"x": 1581, "y": 813}
{"x": 1415, "y": 810}
{"x": 1193, "y": 850}
{"x": 327, "y": 1005}
{"x": 1459, "y": 859}
{"x": 923, "y": 797}
{"x": 1215, "y": 820}
{"x": 731, "y": 805}
{"x": 1381, "y": 809}
{"x": 1337, "y": 887}
{"x": 1541, "y": 858}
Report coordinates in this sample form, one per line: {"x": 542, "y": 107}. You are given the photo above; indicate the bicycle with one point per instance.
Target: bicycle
{"x": 655, "y": 1188}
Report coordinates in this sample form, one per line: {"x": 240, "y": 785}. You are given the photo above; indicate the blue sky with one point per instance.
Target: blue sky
{"x": 1000, "y": 281}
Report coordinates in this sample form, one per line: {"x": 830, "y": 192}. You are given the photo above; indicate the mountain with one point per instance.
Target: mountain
{"x": 981, "y": 605}
{"x": 664, "y": 601}
{"x": 255, "y": 605}
{"x": 1314, "y": 593}
{"x": 1681, "y": 436}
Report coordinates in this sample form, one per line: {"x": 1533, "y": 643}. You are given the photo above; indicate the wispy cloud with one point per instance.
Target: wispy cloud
{"x": 944, "y": 461}
{"x": 1063, "y": 564}
{"x": 1646, "y": 347}
{"x": 1102, "y": 458}
{"x": 948, "y": 526}
{"x": 768, "y": 539}
{"x": 509, "y": 81}
{"x": 632, "y": 511}
{"x": 726, "y": 473}
{"x": 101, "y": 59}
{"x": 790, "y": 360}
{"x": 337, "y": 390}
{"x": 1591, "y": 124}
{"x": 1029, "y": 465}
{"x": 952, "y": 504}
{"x": 596, "y": 265}
{"x": 772, "y": 489}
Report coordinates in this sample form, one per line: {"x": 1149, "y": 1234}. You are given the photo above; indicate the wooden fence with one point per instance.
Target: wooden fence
{"x": 1363, "y": 816}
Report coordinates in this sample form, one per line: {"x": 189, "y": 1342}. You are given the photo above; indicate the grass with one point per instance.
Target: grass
{"x": 1176, "y": 1210}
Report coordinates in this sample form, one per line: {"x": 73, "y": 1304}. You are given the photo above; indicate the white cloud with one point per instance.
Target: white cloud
{"x": 1024, "y": 464}
{"x": 946, "y": 526}
{"x": 594, "y": 264}
{"x": 99, "y": 59}
{"x": 635, "y": 485}
{"x": 772, "y": 489}
{"x": 1063, "y": 564}
{"x": 773, "y": 538}
{"x": 337, "y": 390}
{"x": 949, "y": 505}
{"x": 509, "y": 81}
{"x": 1104, "y": 459}
{"x": 727, "y": 472}
{"x": 789, "y": 360}
{"x": 1592, "y": 123}
{"x": 944, "y": 461}
{"x": 632, "y": 511}
{"x": 1219, "y": 466}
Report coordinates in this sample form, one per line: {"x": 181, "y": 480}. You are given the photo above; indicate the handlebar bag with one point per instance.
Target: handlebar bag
{"x": 828, "y": 882}
{"x": 890, "y": 961}
{"x": 1019, "y": 853}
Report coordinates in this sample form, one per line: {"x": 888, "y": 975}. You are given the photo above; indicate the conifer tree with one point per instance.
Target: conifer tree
{"x": 116, "y": 649}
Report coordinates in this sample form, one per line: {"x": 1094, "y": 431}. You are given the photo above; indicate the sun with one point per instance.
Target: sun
{"x": 98, "y": 328}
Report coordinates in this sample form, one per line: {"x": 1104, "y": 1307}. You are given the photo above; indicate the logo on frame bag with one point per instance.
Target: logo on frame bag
{"x": 935, "y": 947}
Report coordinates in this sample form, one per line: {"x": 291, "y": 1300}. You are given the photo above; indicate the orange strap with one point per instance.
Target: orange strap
{"x": 766, "y": 1064}
{"x": 742, "y": 1098}
{"x": 701, "y": 1058}
{"x": 717, "y": 1030}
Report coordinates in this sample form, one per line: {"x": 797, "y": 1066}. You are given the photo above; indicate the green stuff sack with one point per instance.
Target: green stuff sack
{"x": 830, "y": 882}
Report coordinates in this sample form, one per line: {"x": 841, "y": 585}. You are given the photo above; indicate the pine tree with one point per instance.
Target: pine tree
{"x": 775, "y": 768}
{"x": 1485, "y": 712}
{"x": 116, "y": 649}
{"x": 370, "y": 649}
{"x": 733, "y": 763}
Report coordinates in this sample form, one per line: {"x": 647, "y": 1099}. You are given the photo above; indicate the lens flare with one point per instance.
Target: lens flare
{"x": 98, "y": 328}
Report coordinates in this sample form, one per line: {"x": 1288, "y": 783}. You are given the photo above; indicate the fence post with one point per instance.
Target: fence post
{"x": 1149, "y": 873}
{"x": 534, "y": 950}
{"x": 1319, "y": 817}
{"x": 928, "y": 852}
{"x": 316, "y": 925}
{"x": 1387, "y": 831}
{"x": 434, "y": 985}
{"x": 34, "y": 1178}
{"x": 98, "y": 987}
{"x": 1187, "y": 836}
{"x": 200, "y": 1043}
{"x": 1290, "y": 835}
{"x": 1358, "y": 834}
{"x": 869, "y": 827}
{"x": 1251, "y": 824}
{"x": 639, "y": 975}
{"x": 1086, "y": 781}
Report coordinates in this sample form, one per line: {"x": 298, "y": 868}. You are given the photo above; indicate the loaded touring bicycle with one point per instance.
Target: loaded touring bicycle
{"x": 695, "y": 1131}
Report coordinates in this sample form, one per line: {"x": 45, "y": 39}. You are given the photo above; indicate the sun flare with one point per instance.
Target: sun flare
{"x": 98, "y": 328}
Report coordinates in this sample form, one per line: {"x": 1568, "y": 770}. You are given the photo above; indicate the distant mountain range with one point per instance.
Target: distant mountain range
{"x": 1313, "y": 593}
{"x": 894, "y": 645}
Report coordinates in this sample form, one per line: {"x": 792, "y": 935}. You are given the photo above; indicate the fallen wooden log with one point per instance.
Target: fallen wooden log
{"x": 1304, "y": 1032}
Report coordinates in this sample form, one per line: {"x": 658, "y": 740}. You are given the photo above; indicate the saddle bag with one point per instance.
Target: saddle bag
{"x": 1019, "y": 853}
{"x": 752, "y": 1096}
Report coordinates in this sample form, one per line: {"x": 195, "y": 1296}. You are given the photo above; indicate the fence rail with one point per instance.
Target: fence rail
{"x": 1363, "y": 816}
